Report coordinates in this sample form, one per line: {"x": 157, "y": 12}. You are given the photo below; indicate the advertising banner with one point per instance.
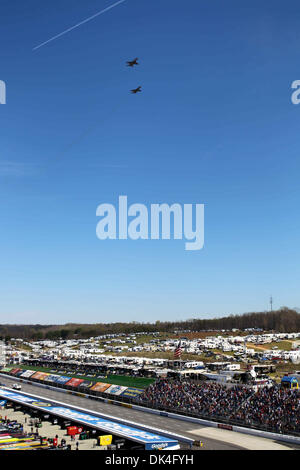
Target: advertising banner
{"x": 44, "y": 376}
{"x": 74, "y": 382}
{"x": 100, "y": 387}
{"x": 116, "y": 389}
{"x": 27, "y": 373}
{"x": 20, "y": 372}
{"x": 52, "y": 378}
{"x": 132, "y": 392}
{"x": 14, "y": 371}
{"x": 38, "y": 376}
{"x": 86, "y": 384}
{"x": 62, "y": 379}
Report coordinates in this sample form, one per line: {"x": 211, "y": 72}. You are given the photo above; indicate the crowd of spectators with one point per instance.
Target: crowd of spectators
{"x": 275, "y": 409}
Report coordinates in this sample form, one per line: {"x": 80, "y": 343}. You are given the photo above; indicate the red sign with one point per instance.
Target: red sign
{"x": 73, "y": 430}
{"x": 74, "y": 382}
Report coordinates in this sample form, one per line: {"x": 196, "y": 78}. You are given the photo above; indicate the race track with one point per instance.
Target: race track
{"x": 213, "y": 438}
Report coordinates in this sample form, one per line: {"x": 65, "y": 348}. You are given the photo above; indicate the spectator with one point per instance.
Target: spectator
{"x": 276, "y": 409}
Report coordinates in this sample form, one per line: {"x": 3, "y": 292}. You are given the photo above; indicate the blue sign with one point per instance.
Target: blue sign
{"x": 132, "y": 392}
{"x": 51, "y": 378}
{"x": 61, "y": 379}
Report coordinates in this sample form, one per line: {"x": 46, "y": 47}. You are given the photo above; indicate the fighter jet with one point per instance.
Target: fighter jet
{"x": 136, "y": 90}
{"x": 131, "y": 63}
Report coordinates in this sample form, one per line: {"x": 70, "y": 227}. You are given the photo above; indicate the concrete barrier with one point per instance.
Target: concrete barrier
{"x": 127, "y": 405}
{"x": 267, "y": 435}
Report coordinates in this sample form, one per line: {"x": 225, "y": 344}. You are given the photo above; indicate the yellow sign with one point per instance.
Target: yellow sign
{"x": 105, "y": 440}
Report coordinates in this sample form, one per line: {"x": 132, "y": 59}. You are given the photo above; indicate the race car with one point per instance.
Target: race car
{"x": 17, "y": 387}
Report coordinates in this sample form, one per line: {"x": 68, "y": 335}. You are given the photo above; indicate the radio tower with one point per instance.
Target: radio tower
{"x": 271, "y": 303}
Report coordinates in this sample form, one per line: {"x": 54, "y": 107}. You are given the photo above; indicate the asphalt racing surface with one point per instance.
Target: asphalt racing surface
{"x": 190, "y": 430}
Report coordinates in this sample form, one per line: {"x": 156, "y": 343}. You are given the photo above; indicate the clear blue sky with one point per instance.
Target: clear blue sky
{"x": 214, "y": 125}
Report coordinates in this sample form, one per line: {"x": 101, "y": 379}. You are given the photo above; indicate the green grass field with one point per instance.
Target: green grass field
{"x": 126, "y": 381}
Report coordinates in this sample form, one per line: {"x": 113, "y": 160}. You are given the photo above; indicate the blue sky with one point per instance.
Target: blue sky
{"x": 214, "y": 125}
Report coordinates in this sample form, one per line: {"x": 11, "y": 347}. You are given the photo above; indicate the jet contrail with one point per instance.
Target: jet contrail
{"x": 79, "y": 24}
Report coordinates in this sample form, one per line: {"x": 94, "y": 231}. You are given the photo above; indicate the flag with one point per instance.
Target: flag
{"x": 178, "y": 351}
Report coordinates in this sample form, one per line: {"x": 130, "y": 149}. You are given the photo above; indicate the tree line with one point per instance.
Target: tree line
{"x": 282, "y": 320}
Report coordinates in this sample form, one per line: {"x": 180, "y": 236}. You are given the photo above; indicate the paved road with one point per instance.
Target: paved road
{"x": 213, "y": 439}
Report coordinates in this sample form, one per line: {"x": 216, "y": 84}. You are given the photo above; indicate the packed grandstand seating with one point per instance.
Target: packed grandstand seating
{"x": 275, "y": 408}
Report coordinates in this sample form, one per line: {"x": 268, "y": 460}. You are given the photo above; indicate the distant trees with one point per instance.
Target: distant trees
{"x": 64, "y": 333}
{"x": 37, "y": 335}
{"x": 282, "y": 320}
{"x": 52, "y": 334}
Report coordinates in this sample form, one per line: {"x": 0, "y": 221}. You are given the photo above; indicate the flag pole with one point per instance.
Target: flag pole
{"x": 177, "y": 354}
{"x": 180, "y": 367}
